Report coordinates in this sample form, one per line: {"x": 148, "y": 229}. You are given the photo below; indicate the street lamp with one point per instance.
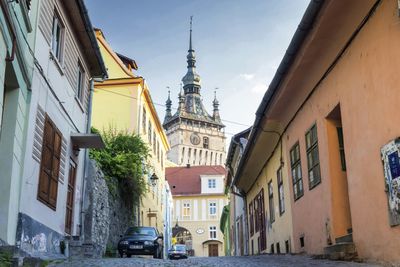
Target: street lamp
{"x": 153, "y": 179}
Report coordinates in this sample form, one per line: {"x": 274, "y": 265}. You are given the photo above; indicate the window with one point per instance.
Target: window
{"x": 341, "y": 148}
{"x": 144, "y": 119}
{"x": 251, "y": 218}
{"x": 213, "y": 232}
{"x": 205, "y": 142}
{"x": 158, "y": 151}
{"x": 186, "y": 211}
{"x": 57, "y": 38}
{"x": 314, "y": 173}
{"x": 50, "y": 164}
{"x": 80, "y": 83}
{"x": 297, "y": 178}
{"x": 256, "y": 213}
{"x": 149, "y": 133}
{"x": 271, "y": 202}
{"x": 281, "y": 194}
{"x": 212, "y": 206}
{"x": 211, "y": 183}
{"x": 183, "y": 154}
{"x": 154, "y": 142}
{"x": 162, "y": 159}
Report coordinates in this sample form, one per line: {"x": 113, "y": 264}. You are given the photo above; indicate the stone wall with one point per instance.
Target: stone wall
{"x": 106, "y": 216}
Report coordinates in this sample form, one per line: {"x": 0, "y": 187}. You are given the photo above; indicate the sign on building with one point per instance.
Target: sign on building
{"x": 391, "y": 164}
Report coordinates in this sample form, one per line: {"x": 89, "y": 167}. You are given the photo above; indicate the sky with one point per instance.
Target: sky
{"x": 238, "y": 44}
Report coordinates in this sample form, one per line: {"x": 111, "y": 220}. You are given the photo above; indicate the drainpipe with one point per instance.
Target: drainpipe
{"x": 11, "y": 28}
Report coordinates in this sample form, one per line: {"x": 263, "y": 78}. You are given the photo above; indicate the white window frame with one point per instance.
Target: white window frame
{"x": 213, "y": 232}
{"x": 80, "y": 83}
{"x": 57, "y": 48}
{"x": 212, "y": 183}
{"x": 212, "y": 207}
{"x": 186, "y": 210}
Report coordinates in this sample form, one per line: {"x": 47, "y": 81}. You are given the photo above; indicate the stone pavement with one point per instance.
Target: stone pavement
{"x": 247, "y": 261}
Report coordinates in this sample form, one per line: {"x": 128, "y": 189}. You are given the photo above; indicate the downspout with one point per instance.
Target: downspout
{"x": 11, "y": 28}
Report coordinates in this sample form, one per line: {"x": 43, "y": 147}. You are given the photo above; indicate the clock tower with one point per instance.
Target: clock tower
{"x": 196, "y": 137}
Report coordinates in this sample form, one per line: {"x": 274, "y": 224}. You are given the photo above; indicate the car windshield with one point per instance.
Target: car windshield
{"x": 141, "y": 231}
{"x": 180, "y": 248}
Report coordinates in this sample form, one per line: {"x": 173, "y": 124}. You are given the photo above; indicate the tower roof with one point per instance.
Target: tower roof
{"x": 190, "y": 101}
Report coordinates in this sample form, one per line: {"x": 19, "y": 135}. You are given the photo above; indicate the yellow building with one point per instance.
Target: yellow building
{"x": 123, "y": 102}
{"x": 199, "y": 199}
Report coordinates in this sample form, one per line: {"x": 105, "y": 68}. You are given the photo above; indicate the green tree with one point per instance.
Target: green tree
{"x": 123, "y": 162}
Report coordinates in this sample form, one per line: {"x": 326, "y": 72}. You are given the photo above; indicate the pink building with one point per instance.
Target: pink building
{"x": 334, "y": 102}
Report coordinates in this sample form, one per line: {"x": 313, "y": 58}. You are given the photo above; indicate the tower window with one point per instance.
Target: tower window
{"x": 205, "y": 142}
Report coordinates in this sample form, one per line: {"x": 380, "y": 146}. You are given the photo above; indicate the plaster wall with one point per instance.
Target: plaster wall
{"x": 203, "y": 222}
{"x": 364, "y": 82}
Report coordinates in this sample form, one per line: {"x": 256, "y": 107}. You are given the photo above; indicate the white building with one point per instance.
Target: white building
{"x": 67, "y": 60}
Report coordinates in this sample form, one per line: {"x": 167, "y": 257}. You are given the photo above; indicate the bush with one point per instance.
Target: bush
{"x": 123, "y": 162}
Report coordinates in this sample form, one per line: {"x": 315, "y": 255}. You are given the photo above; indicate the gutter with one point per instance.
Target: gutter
{"x": 89, "y": 30}
{"x": 304, "y": 28}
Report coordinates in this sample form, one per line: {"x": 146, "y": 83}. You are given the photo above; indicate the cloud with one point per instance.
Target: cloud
{"x": 247, "y": 76}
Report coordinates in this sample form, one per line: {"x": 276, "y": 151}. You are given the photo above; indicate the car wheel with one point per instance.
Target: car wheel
{"x": 128, "y": 255}
{"x": 121, "y": 255}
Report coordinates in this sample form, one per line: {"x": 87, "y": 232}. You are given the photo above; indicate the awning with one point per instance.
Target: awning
{"x": 83, "y": 140}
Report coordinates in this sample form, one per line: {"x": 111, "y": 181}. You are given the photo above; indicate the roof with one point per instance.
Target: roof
{"x": 128, "y": 60}
{"x": 305, "y": 26}
{"x": 186, "y": 180}
{"x": 80, "y": 18}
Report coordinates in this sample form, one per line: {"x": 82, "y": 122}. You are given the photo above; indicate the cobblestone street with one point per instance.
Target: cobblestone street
{"x": 263, "y": 260}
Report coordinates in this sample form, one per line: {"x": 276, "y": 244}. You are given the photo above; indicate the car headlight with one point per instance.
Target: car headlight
{"x": 148, "y": 243}
{"x": 124, "y": 243}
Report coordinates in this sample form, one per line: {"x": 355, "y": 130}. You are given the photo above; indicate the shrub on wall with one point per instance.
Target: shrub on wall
{"x": 123, "y": 162}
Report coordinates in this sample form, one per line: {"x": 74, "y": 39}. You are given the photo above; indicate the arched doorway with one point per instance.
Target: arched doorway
{"x": 181, "y": 235}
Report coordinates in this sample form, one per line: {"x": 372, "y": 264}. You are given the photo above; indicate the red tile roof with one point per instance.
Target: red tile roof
{"x": 186, "y": 180}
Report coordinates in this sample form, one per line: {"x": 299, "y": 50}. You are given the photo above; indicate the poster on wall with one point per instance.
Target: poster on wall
{"x": 391, "y": 165}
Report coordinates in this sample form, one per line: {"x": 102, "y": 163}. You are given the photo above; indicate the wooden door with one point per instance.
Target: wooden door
{"x": 213, "y": 250}
{"x": 70, "y": 197}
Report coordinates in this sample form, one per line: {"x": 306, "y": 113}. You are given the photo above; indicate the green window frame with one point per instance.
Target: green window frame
{"x": 314, "y": 171}
{"x": 297, "y": 177}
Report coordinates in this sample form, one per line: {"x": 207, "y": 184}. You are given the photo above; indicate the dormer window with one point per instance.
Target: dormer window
{"x": 211, "y": 183}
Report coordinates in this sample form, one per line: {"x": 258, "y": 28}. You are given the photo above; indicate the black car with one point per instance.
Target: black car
{"x": 177, "y": 252}
{"x": 141, "y": 241}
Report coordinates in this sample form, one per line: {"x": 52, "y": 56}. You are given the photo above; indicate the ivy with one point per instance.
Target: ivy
{"x": 123, "y": 162}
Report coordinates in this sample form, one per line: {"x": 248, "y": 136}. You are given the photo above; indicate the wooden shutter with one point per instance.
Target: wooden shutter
{"x": 50, "y": 164}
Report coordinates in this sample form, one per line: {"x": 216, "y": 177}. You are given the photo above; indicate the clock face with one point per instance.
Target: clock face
{"x": 195, "y": 139}
{"x": 200, "y": 231}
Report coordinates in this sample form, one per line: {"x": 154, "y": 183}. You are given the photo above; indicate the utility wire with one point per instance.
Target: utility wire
{"x": 163, "y": 105}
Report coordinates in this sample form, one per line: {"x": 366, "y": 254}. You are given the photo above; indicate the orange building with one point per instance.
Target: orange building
{"x": 333, "y": 105}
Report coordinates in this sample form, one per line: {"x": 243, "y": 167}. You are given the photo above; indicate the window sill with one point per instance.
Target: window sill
{"x": 79, "y": 102}
{"x": 57, "y": 62}
{"x": 299, "y": 197}
{"x": 314, "y": 185}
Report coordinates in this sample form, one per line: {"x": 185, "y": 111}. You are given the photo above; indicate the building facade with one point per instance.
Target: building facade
{"x": 17, "y": 34}
{"x": 328, "y": 115}
{"x": 196, "y": 138}
{"x": 199, "y": 199}
{"x": 67, "y": 59}
{"x": 123, "y": 102}
{"x": 237, "y": 199}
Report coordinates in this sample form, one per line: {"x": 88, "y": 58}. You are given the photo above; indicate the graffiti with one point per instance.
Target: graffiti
{"x": 391, "y": 165}
{"x": 39, "y": 242}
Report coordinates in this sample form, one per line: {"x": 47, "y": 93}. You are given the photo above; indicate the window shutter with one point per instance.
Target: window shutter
{"x": 50, "y": 164}
{"x": 38, "y": 134}
{"x": 63, "y": 158}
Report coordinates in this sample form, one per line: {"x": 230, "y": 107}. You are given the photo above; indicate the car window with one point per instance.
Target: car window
{"x": 141, "y": 231}
{"x": 180, "y": 248}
